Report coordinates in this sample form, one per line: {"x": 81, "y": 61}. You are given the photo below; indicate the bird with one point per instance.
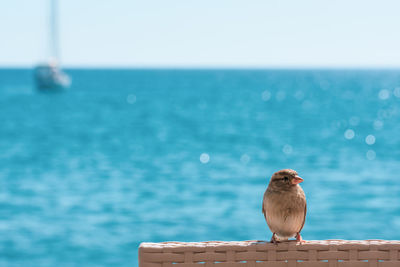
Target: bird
{"x": 284, "y": 206}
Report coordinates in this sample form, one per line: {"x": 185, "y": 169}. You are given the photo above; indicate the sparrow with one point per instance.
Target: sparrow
{"x": 284, "y": 206}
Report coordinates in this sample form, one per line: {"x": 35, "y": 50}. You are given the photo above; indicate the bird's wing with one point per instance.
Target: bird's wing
{"x": 262, "y": 206}
{"x": 263, "y": 210}
{"x": 305, "y": 212}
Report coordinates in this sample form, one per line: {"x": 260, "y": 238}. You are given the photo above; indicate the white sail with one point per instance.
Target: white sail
{"x": 53, "y": 34}
{"x": 49, "y": 76}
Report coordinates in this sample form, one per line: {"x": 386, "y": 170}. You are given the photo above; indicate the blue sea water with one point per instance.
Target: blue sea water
{"x": 127, "y": 156}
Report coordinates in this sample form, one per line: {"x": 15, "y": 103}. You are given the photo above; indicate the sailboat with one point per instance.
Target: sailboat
{"x": 49, "y": 76}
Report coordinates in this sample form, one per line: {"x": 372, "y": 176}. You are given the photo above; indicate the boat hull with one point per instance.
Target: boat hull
{"x": 50, "y": 77}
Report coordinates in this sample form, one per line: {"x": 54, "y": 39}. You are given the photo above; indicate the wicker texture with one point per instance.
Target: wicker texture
{"x": 324, "y": 253}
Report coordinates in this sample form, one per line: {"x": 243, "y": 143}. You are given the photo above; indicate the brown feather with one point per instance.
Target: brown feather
{"x": 284, "y": 205}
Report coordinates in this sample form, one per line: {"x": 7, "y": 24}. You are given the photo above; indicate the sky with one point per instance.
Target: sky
{"x": 206, "y": 33}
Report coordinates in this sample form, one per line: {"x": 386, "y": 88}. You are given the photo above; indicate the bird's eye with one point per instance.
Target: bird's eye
{"x": 285, "y": 179}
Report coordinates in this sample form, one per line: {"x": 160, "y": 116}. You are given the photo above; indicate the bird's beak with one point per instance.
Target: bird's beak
{"x": 297, "y": 180}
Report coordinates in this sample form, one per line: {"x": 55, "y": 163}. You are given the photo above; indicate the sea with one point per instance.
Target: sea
{"x": 126, "y": 156}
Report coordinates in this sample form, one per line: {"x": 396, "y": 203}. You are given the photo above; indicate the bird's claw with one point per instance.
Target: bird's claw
{"x": 299, "y": 238}
{"x": 273, "y": 239}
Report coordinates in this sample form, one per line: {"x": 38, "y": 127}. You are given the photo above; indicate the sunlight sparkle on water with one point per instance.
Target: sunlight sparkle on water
{"x": 378, "y": 124}
{"x": 371, "y": 155}
{"x": 396, "y": 92}
{"x": 299, "y": 95}
{"x": 266, "y": 95}
{"x": 382, "y": 114}
{"x": 384, "y": 94}
{"x": 354, "y": 121}
{"x": 287, "y": 149}
{"x": 204, "y": 158}
{"x": 370, "y": 139}
{"x": 245, "y": 158}
{"x": 349, "y": 134}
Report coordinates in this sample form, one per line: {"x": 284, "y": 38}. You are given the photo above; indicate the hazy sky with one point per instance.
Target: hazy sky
{"x": 206, "y": 33}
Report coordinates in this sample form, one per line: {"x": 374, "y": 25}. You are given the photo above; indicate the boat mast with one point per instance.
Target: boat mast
{"x": 54, "y": 51}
